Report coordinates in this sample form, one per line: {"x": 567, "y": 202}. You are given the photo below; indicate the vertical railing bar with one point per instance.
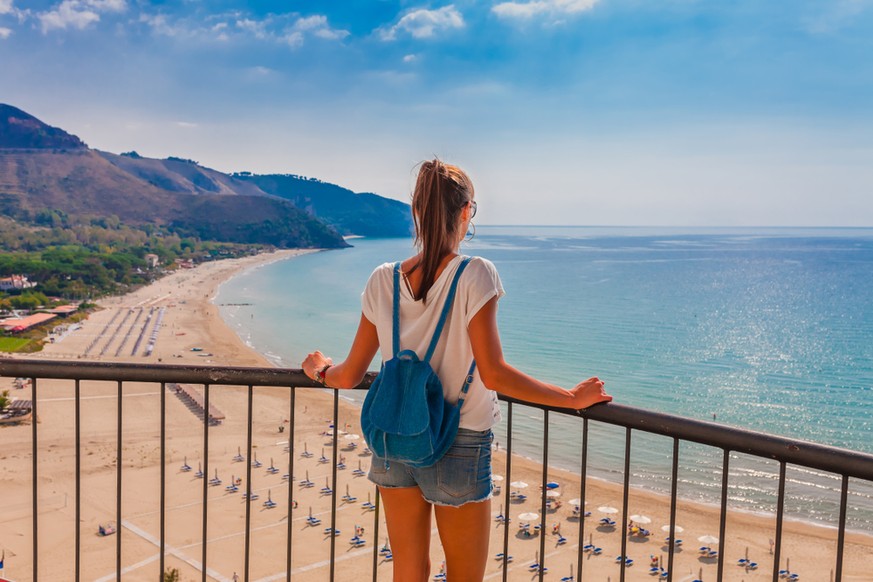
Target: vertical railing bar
{"x": 674, "y": 489}
{"x": 333, "y": 486}
{"x": 582, "y": 487}
{"x": 780, "y": 508}
{"x": 205, "y": 479}
{"x": 624, "y": 503}
{"x": 841, "y": 532}
{"x": 291, "y": 430}
{"x": 506, "y": 492}
{"x": 119, "y": 460}
{"x": 78, "y": 480}
{"x": 376, "y": 539}
{"x": 163, "y": 525}
{"x": 542, "y": 560}
{"x": 35, "y": 491}
{"x": 723, "y": 514}
{"x": 248, "y": 462}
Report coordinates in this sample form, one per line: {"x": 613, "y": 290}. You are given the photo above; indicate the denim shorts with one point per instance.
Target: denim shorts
{"x": 462, "y": 476}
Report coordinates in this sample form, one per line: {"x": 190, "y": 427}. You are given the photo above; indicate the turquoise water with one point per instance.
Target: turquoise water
{"x": 770, "y": 330}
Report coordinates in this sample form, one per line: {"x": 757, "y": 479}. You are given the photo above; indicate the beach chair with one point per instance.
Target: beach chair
{"x": 784, "y": 573}
{"x": 712, "y": 554}
{"x": 742, "y": 562}
{"x": 569, "y": 578}
{"x": 185, "y": 466}
{"x": 588, "y": 548}
{"x": 794, "y": 577}
{"x": 272, "y": 469}
{"x": 357, "y": 542}
{"x": 269, "y": 504}
{"x": 359, "y": 472}
{"x": 256, "y": 463}
{"x": 341, "y": 466}
{"x": 561, "y": 540}
{"x": 664, "y": 574}
{"x": 313, "y": 521}
{"x": 368, "y": 506}
{"x": 238, "y": 457}
{"x": 232, "y": 488}
{"x": 752, "y": 566}
{"x": 322, "y": 459}
{"x": 500, "y": 557}
{"x": 654, "y": 571}
{"x": 254, "y": 495}
{"x": 328, "y": 530}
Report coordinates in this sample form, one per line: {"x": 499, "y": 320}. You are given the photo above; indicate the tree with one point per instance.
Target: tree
{"x": 4, "y": 399}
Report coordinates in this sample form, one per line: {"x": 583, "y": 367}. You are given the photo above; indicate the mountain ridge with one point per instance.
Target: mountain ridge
{"x": 47, "y": 169}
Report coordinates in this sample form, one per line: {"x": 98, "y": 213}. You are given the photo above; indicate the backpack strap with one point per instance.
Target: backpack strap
{"x": 467, "y": 381}
{"x": 396, "y": 324}
{"x": 450, "y": 299}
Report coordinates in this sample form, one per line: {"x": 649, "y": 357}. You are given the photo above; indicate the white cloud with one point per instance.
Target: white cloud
{"x": 5, "y": 33}
{"x": 290, "y": 29}
{"x": 186, "y": 124}
{"x": 5, "y": 6}
{"x": 76, "y": 13}
{"x": 410, "y": 58}
{"x": 526, "y": 10}
{"x": 423, "y": 23}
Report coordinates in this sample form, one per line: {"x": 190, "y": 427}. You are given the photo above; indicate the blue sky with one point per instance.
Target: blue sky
{"x": 603, "y": 112}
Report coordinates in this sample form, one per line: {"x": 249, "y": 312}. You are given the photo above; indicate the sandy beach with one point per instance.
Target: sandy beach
{"x": 192, "y": 332}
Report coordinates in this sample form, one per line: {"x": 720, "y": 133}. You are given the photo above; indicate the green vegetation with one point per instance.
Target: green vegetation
{"x": 77, "y": 261}
{"x": 13, "y": 344}
{"x": 172, "y": 575}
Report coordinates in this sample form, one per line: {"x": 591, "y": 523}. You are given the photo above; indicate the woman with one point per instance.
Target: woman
{"x": 457, "y": 489}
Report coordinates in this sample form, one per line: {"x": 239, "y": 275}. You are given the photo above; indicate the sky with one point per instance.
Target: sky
{"x": 582, "y": 112}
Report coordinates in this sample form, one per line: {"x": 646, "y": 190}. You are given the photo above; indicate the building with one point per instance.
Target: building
{"x": 15, "y": 282}
{"x": 152, "y": 260}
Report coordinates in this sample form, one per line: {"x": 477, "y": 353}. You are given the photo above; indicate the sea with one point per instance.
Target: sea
{"x": 768, "y": 329}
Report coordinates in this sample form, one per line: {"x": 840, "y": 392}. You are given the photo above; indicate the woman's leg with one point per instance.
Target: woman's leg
{"x": 464, "y": 533}
{"x": 408, "y": 517}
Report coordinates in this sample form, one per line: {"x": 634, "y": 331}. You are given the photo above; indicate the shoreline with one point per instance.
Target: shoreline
{"x": 194, "y": 320}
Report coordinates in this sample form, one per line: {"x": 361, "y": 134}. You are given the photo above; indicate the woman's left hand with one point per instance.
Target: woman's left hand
{"x": 315, "y": 362}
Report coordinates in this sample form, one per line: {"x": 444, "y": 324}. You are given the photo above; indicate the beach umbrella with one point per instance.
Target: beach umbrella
{"x": 708, "y": 539}
{"x": 497, "y": 478}
{"x": 352, "y": 437}
{"x": 518, "y": 484}
{"x": 576, "y": 501}
{"x": 607, "y": 509}
{"x": 640, "y": 519}
{"x": 528, "y": 516}
{"x": 552, "y": 485}
{"x": 677, "y": 528}
{"x": 553, "y": 494}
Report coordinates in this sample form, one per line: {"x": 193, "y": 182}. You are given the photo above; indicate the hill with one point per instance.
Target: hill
{"x": 45, "y": 170}
{"x": 363, "y": 214}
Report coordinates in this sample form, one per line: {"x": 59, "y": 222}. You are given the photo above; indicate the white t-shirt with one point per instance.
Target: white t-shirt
{"x": 453, "y": 354}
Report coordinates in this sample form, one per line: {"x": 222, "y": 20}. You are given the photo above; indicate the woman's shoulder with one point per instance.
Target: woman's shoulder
{"x": 481, "y": 264}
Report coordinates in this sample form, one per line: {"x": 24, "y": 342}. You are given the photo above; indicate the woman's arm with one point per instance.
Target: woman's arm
{"x": 350, "y": 372}
{"x": 499, "y": 376}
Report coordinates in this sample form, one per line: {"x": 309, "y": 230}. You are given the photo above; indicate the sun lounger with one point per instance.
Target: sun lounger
{"x": 627, "y": 561}
{"x": 654, "y": 571}
{"x": 500, "y": 557}
{"x": 254, "y": 496}
{"x": 269, "y": 504}
{"x": 752, "y": 565}
{"x": 369, "y": 506}
{"x": 185, "y": 467}
{"x": 597, "y": 551}
{"x": 569, "y": 578}
{"x": 313, "y": 521}
{"x": 562, "y": 540}
{"x": 257, "y": 464}
{"x": 588, "y": 548}
{"x": 359, "y": 472}
{"x": 341, "y": 466}
{"x": 232, "y": 488}
{"x": 327, "y": 531}
{"x": 323, "y": 459}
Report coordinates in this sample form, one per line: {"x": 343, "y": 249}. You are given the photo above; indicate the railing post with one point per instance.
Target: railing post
{"x": 119, "y": 461}
{"x": 333, "y": 486}
{"x": 780, "y": 508}
{"x": 205, "y": 479}
{"x": 290, "y": 482}
{"x": 841, "y": 533}
{"x": 248, "y": 462}
{"x": 35, "y": 492}
{"x": 163, "y": 526}
{"x": 673, "y": 493}
{"x": 542, "y": 570}
{"x": 506, "y": 495}
{"x": 78, "y": 423}
{"x": 624, "y": 502}
{"x": 582, "y": 489}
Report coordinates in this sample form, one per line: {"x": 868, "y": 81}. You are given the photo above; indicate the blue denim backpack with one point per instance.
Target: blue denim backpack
{"x": 405, "y": 417}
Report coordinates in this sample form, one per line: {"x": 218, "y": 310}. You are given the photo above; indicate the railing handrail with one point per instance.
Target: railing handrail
{"x": 792, "y": 451}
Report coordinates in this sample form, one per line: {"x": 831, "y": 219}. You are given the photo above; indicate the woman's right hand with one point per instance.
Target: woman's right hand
{"x": 588, "y": 393}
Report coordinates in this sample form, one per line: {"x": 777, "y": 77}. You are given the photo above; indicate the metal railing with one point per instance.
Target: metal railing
{"x": 847, "y": 464}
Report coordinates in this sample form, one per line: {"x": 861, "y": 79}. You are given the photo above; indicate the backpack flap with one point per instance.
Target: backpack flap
{"x": 398, "y": 405}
